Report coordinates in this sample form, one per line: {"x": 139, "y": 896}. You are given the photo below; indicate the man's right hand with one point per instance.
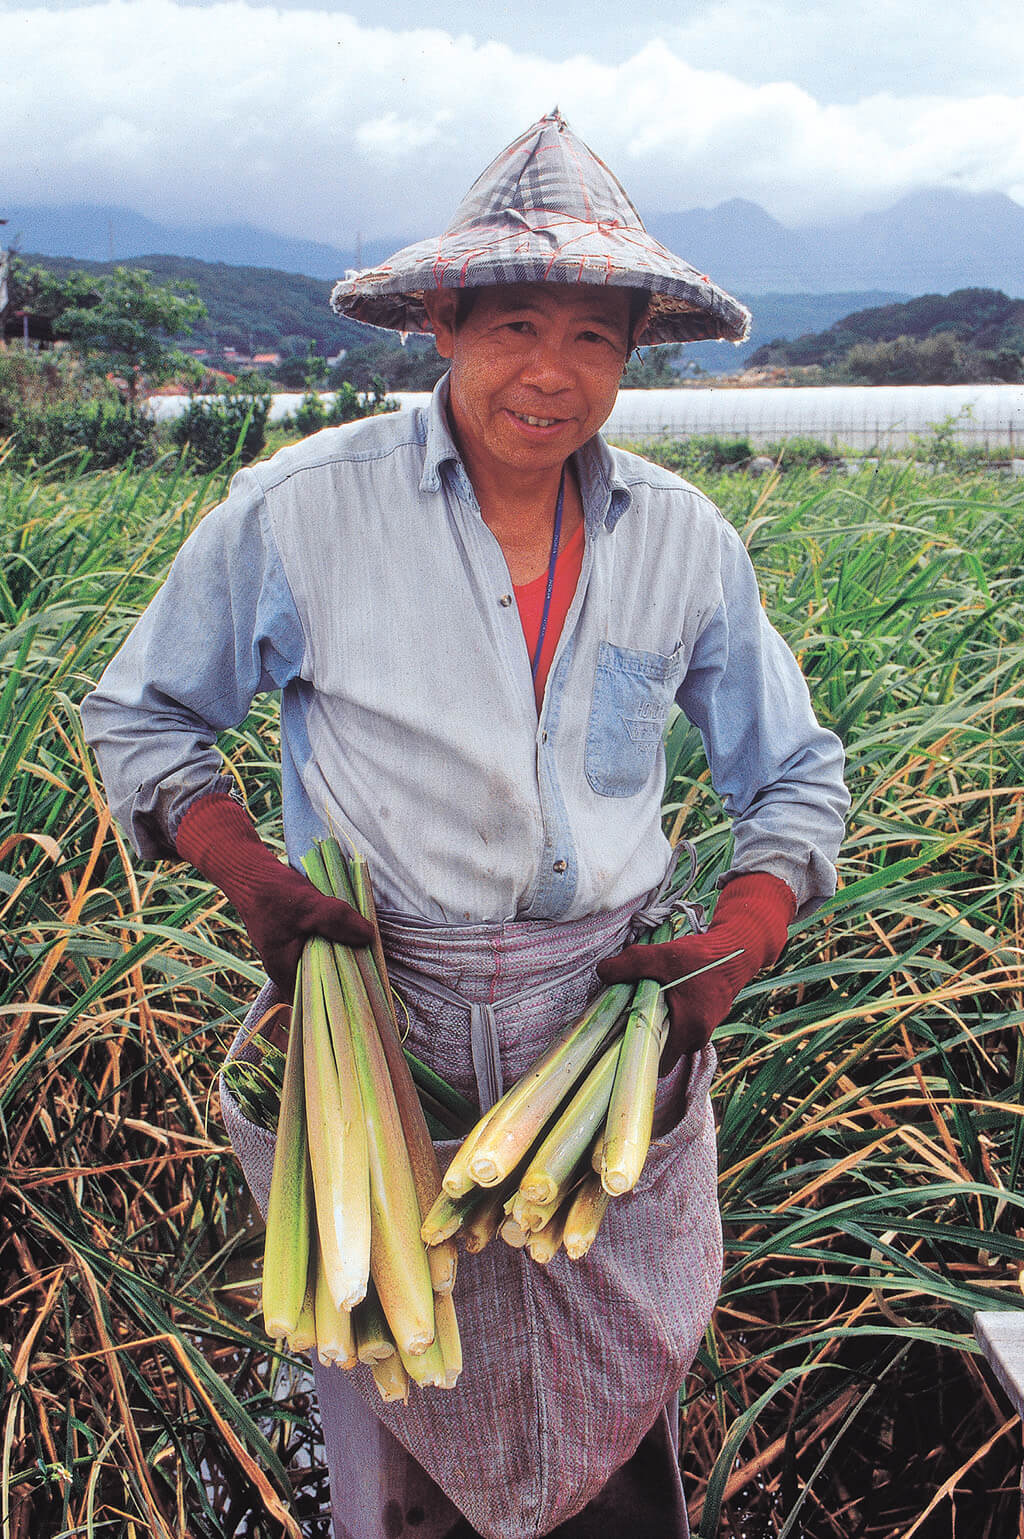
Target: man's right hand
{"x": 279, "y": 907}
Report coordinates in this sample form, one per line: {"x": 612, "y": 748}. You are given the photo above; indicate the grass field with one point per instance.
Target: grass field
{"x": 869, "y": 1100}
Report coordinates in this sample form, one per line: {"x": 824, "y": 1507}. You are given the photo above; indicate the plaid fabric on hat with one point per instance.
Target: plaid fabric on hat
{"x": 546, "y": 210}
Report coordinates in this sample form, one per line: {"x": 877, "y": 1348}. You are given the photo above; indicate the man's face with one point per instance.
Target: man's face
{"x": 535, "y": 369}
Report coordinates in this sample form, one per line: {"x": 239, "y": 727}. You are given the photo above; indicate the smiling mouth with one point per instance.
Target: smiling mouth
{"x": 542, "y": 422}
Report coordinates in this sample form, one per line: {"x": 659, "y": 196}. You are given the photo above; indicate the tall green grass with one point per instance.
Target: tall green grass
{"x": 870, "y": 1100}
{"x": 140, "y": 1398}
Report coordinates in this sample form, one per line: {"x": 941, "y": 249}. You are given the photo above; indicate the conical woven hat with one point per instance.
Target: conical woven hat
{"x": 547, "y": 210}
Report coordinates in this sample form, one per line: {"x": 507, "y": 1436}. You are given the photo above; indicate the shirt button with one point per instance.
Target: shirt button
{"x": 560, "y": 866}
{"x": 505, "y": 600}
{"x": 543, "y": 737}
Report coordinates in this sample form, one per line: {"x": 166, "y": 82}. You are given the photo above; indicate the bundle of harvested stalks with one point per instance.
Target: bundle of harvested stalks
{"x": 355, "y": 1172}
{"x": 539, "y": 1167}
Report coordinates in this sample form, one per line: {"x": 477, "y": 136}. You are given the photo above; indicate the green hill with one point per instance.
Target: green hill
{"x": 971, "y": 334}
{"x": 250, "y": 309}
{"x": 938, "y": 338}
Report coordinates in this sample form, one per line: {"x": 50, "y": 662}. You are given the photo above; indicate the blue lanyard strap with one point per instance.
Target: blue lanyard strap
{"x": 556, "y": 535}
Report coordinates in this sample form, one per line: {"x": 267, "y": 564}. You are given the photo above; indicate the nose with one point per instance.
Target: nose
{"x": 547, "y": 369}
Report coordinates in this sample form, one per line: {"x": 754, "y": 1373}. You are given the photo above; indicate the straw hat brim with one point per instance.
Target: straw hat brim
{"x": 684, "y": 304}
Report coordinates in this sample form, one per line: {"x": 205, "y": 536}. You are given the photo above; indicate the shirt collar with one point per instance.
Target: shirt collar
{"x": 439, "y": 444}
{"x": 606, "y": 496}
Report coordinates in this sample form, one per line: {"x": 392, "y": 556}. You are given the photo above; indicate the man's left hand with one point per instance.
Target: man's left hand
{"x": 751, "y": 918}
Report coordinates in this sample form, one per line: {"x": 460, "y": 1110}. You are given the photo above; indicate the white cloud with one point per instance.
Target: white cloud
{"x": 838, "y": 51}
{"x": 845, "y": 52}
{"x": 311, "y": 123}
{"x": 394, "y": 137}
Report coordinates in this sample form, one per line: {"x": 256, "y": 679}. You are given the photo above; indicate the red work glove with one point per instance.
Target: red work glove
{"x": 279, "y": 907}
{"x": 751, "y": 916}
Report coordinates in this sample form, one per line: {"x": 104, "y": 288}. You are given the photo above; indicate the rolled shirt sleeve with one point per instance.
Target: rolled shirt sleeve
{"x": 222, "y": 629}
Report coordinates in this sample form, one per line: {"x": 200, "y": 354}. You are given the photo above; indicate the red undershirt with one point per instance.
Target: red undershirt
{"x": 530, "y": 602}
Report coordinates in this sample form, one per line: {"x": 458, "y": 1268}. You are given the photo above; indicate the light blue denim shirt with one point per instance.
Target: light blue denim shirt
{"x": 354, "y": 573}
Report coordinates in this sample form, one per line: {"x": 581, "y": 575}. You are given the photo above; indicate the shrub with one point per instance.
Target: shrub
{"x": 941, "y": 359}
{"x": 942, "y": 447}
{"x": 36, "y": 381}
{"x": 309, "y": 416}
{"x": 799, "y": 451}
{"x": 348, "y": 405}
{"x": 694, "y": 456}
{"x": 212, "y": 432}
{"x": 21, "y": 381}
{"x": 108, "y": 433}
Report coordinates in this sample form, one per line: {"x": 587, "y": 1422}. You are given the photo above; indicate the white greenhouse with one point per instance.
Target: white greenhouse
{"x": 859, "y": 417}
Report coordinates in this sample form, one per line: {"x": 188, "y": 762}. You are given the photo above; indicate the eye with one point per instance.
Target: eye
{"x": 600, "y": 338}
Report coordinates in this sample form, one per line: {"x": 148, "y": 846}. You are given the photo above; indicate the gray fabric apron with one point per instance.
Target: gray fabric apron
{"x": 566, "y": 1367}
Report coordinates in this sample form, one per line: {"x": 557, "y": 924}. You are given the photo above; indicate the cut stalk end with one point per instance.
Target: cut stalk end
{"x": 512, "y": 1233}
{"x": 413, "y": 1346}
{"x": 391, "y": 1379}
{"x": 486, "y": 1171}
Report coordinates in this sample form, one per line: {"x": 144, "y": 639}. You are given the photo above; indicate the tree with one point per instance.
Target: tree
{"x": 129, "y": 326}
{"x": 659, "y": 368}
{"x": 41, "y": 298}
{"x": 1007, "y": 364}
{"x": 940, "y": 359}
{"x": 316, "y": 369}
{"x": 414, "y": 366}
{"x": 301, "y": 371}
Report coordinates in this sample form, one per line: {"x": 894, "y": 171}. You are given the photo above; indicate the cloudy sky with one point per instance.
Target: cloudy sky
{"x": 317, "y": 120}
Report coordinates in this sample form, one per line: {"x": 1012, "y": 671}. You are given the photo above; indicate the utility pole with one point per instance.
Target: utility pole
{"x": 5, "y": 293}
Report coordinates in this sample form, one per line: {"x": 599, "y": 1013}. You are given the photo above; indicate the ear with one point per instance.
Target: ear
{"x": 640, "y": 333}
{"x": 440, "y": 307}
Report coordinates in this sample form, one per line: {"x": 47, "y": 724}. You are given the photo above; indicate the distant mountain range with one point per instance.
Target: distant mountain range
{"x": 95, "y": 233}
{"x": 928, "y": 242}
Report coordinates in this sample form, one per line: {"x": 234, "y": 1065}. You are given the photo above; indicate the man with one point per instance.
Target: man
{"x": 479, "y": 616}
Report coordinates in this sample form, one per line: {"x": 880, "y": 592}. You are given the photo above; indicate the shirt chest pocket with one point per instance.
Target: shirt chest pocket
{"x": 632, "y": 695}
